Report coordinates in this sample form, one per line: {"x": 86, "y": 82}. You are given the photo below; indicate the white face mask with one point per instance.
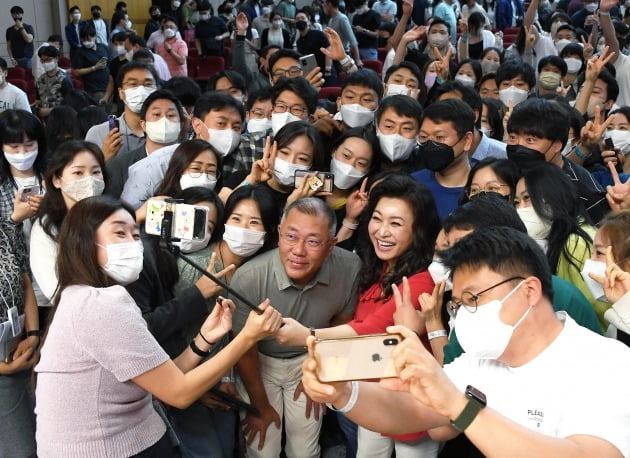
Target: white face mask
{"x": 120, "y": 50}
{"x": 204, "y": 17}
{"x": 489, "y": 66}
{"x": 439, "y": 272}
{"x": 243, "y": 242}
{"x": 76, "y": 16}
{"x": 481, "y": 333}
{"x": 176, "y": 4}
{"x": 573, "y": 64}
{"x": 266, "y": 11}
{"x": 124, "y": 261}
{"x": 344, "y": 175}
{"x": 223, "y": 140}
{"x": 590, "y": 7}
{"x": 438, "y": 40}
{"x": 162, "y": 131}
{"x": 395, "y": 146}
{"x": 285, "y": 171}
{"x": 204, "y": 180}
{"x": 135, "y": 97}
{"x": 129, "y": 55}
{"x": 191, "y": 246}
{"x": 21, "y": 161}
{"x": 89, "y": 43}
{"x": 537, "y": 228}
{"x": 487, "y": 131}
{"x": 560, "y": 44}
{"x": 355, "y": 115}
{"x": 128, "y": 25}
{"x": 395, "y": 89}
{"x": 465, "y": 80}
{"x": 567, "y": 148}
{"x": 620, "y": 138}
{"x": 278, "y": 24}
{"x": 514, "y": 94}
{"x": 258, "y": 125}
{"x": 279, "y": 120}
{"x": 598, "y": 268}
{"x": 83, "y": 188}
{"x": 169, "y": 33}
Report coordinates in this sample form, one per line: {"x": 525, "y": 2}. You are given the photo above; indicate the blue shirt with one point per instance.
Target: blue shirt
{"x": 446, "y": 199}
{"x": 488, "y": 147}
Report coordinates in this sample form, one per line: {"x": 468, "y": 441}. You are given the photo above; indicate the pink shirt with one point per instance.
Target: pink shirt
{"x": 179, "y": 47}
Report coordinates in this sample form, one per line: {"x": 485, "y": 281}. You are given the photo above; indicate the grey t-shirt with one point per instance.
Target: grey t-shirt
{"x": 333, "y": 291}
{"x": 129, "y": 140}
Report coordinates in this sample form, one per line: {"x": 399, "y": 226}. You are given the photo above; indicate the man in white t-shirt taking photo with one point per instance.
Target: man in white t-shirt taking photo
{"x": 531, "y": 383}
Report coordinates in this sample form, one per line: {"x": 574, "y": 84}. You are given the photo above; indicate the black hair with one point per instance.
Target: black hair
{"x": 556, "y": 61}
{"x": 119, "y": 36}
{"x": 333, "y": 3}
{"x": 215, "y": 101}
{"x": 263, "y": 51}
{"x": 436, "y": 21}
{"x": 61, "y": 125}
{"x": 90, "y": 116}
{"x": 162, "y": 94}
{"x": 53, "y": 208}
{"x": 184, "y": 88}
{"x": 281, "y": 53}
{"x": 133, "y": 65}
{"x": 117, "y": 17}
{"x": 455, "y": 111}
{"x": 17, "y": 10}
{"x": 233, "y": 77}
{"x": 555, "y": 199}
{"x": 55, "y": 37}
{"x": 568, "y": 27}
{"x": 292, "y": 130}
{"x": 258, "y": 96}
{"x": 204, "y": 6}
{"x": 413, "y": 68}
{"x": 486, "y": 209}
{"x": 364, "y": 78}
{"x": 196, "y": 194}
{"x": 541, "y": 118}
{"x": 612, "y": 87}
{"x": 48, "y": 51}
{"x": 77, "y": 99}
{"x": 505, "y": 169}
{"x": 135, "y": 39}
{"x": 425, "y": 228}
{"x": 142, "y": 55}
{"x": 503, "y": 250}
{"x": 14, "y": 126}
{"x": 510, "y": 69}
{"x": 86, "y": 31}
{"x": 495, "y": 49}
{"x": 300, "y": 87}
{"x": 152, "y": 9}
{"x": 269, "y": 211}
{"x": 368, "y": 134}
{"x": 402, "y": 106}
{"x": 573, "y": 49}
{"x": 624, "y": 110}
{"x": 495, "y": 117}
{"x": 476, "y": 21}
{"x": 3, "y": 64}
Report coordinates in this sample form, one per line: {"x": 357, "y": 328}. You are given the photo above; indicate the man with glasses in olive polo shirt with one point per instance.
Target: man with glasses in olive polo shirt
{"x": 313, "y": 282}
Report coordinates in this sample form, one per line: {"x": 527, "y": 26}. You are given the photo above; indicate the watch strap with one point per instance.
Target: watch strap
{"x": 476, "y": 402}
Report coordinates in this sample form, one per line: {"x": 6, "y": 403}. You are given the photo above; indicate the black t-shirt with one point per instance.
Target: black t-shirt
{"x": 370, "y": 20}
{"x": 475, "y": 50}
{"x": 279, "y": 198}
{"x": 310, "y": 44}
{"x": 206, "y": 31}
{"x": 97, "y": 80}
{"x": 19, "y": 47}
{"x": 152, "y": 26}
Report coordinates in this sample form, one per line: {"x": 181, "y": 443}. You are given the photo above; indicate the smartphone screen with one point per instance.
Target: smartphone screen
{"x": 609, "y": 144}
{"x": 113, "y": 122}
{"x": 357, "y": 357}
{"x": 322, "y": 182}
{"x": 29, "y": 191}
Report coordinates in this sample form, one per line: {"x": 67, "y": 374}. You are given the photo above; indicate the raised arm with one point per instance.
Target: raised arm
{"x": 607, "y": 27}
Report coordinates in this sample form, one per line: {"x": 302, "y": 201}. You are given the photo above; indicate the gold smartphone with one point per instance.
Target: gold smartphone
{"x": 357, "y": 357}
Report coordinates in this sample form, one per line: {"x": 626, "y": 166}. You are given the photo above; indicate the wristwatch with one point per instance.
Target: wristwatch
{"x": 476, "y": 402}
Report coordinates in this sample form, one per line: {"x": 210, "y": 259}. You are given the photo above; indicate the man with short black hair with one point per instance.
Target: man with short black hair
{"x": 72, "y": 29}
{"x": 340, "y": 23}
{"x": 20, "y": 38}
{"x": 515, "y": 80}
{"x": 11, "y": 97}
{"x": 52, "y": 84}
{"x": 90, "y": 61}
{"x": 210, "y": 32}
{"x": 100, "y": 25}
{"x": 153, "y": 24}
{"x": 134, "y": 43}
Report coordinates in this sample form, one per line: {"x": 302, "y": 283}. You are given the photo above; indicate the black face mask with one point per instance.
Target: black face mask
{"x": 96, "y": 14}
{"x": 156, "y": 17}
{"x": 437, "y": 156}
{"x": 525, "y": 158}
{"x": 301, "y": 25}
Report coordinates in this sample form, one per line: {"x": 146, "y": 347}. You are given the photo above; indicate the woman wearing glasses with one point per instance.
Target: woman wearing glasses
{"x": 396, "y": 237}
{"x": 491, "y": 175}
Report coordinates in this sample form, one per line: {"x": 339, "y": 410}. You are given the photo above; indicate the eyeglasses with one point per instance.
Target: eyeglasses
{"x": 196, "y": 172}
{"x": 135, "y": 84}
{"x": 491, "y": 186}
{"x": 295, "y": 110}
{"x": 290, "y": 72}
{"x": 259, "y": 114}
{"x": 469, "y": 300}
{"x": 292, "y": 239}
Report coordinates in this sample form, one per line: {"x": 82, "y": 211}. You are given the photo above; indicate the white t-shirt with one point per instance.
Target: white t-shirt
{"x": 12, "y": 97}
{"x": 622, "y": 65}
{"x": 580, "y": 384}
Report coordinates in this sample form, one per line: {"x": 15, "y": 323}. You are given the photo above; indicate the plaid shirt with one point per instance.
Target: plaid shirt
{"x": 251, "y": 149}
{"x": 7, "y": 197}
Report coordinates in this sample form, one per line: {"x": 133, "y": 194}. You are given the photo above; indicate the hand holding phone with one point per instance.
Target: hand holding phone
{"x": 113, "y": 121}
{"x": 318, "y": 182}
{"x": 27, "y": 191}
{"x": 308, "y": 63}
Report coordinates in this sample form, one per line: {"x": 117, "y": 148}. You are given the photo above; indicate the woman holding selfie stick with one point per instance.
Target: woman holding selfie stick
{"x": 100, "y": 364}
{"x": 396, "y": 237}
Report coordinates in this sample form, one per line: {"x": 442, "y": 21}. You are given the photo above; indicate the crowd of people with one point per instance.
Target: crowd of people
{"x": 451, "y": 172}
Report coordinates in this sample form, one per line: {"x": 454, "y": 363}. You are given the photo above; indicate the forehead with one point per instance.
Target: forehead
{"x": 429, "y": 125}
{"x": 223, "y": 83}
{"x": 290, "y": 98}
{"x": 285, "y": 62}
{"x": 301, "y": 16}
{"x": 305, "y": 224}
{"x": 404, "y": 72}
{"x": 164, "y": 104}
{"x": 390, "y": 115}
{"x": 438, "y": 28}
{"x": 138, "y": 74}
{"x": 490, "y": 83}
{"x": 358, "y": 90}
{"x": 227, "y": 112}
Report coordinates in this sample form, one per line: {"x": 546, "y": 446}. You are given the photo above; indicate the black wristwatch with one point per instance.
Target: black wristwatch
{"x": 476, "y": 402}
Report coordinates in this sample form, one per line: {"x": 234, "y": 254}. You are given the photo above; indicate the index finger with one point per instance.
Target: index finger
{"x": 610, "y": 260}
{"x": 449, "y": 53}
{"x": 608, "y": 57}
{"x": 267, "y": 150}
{"x": 274, "y": 152}
{"x": 439, "y": 54}
{"x": 406, "y": 292}
{"x": 614, "y": 173}
{"x": 609, "y": 119}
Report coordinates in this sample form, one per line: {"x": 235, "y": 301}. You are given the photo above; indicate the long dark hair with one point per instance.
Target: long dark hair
{"x": 185, "y": 153}
{"x": 505, "y": 169}
{"x": 14, "y": 126}
{"x": 53, "y": 208}
{"x": 555, "y": 198}
{"x": 426, "y": 226}
{"x": 77, "y": 261}
{"x": 291, "y": 131}
{"x": 61, "y": 125}
{"x": 269, "y": 211}
{"x": 368, "y": 134}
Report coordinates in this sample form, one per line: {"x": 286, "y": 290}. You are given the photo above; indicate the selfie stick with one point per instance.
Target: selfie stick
{"x": 166, "y": 241}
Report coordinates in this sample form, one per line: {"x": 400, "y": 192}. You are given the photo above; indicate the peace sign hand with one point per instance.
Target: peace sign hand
{"x": 592, "y": 132}
{"x": 262, "y": 169}
{"x": 618, "y": 195}
{"x": 595, "y": 65}
{"x": 588, "y": 47}
{"x": 357, "y": 201}
{"x": 442, "y": 66}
